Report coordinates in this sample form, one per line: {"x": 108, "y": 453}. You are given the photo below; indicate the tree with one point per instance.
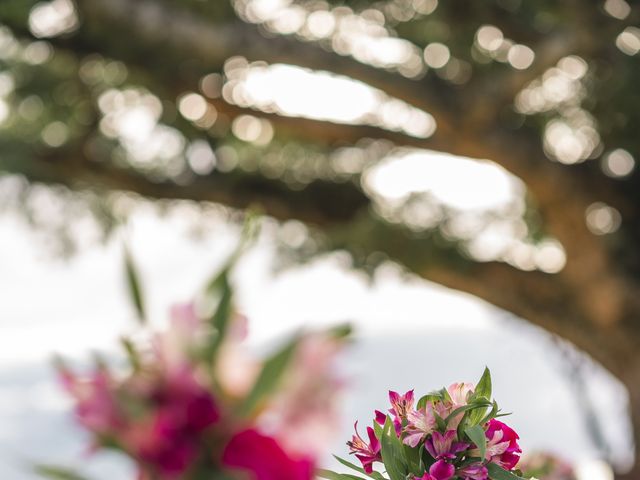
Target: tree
{"x": 546, "y": 90}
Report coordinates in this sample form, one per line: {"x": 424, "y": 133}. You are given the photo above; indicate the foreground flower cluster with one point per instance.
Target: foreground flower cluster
{"x": 449, "y": 434}
{"x": 193, "y": 404}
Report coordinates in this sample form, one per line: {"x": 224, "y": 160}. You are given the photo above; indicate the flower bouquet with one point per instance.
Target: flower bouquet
{"x": 448, "y": 434}
{"x": 191, "y": 404}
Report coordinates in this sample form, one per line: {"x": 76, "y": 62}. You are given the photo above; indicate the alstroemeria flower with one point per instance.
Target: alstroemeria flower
{"x": 502, "y": 445}
{"x": 475, "y": 471}
{"x": 367, "y": 453}
{"x": 442, "y": 446}
{"x": 459, "y": 394}
{"x": 442, "y": 470}
{"x": 420, "y": 424}
{"x": 401, "y": 405}
{"x": 264, "y": 459}
{"x": 380, "y": 418}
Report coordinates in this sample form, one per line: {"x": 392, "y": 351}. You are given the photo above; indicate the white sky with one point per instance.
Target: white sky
{"x": 409, "y": 334}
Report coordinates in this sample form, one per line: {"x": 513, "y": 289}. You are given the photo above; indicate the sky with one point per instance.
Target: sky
{"x": 409, "y": 334}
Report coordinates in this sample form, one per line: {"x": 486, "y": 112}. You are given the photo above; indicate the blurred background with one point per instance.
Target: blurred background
{"x": 456, "y": 178}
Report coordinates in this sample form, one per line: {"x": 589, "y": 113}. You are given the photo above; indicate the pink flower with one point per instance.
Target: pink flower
{"x": 420, "y": 424}
{"x": 401, "y": 405}
{"x": 381, "y": 418}
{"x": 442, "y": 446}
{"x": 441, "y": 470}
{"x": 263, "y": 458}
{"x": 96, "y": 407}
{"x": 475, "y": 471}
{"x": 502, "y": 445}
{"x": 367, "y": 453}
{"x": 168, "y": 436}
{"x": 303, "y": 416}
{"x": 460, "y": 393}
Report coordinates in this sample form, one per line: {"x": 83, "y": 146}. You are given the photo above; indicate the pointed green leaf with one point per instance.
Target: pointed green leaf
{"x": 134, "y": 285}
{"x": 498, "y": 473}
{"x": 222, "y": 315}
{"x": 331, "y": 475}
{"x": 482, "y": 391}
{"x": 492, "y": 414}
{"x": 483, "y": 388}
{"x": 346, "y": 463}
{"x": 430, "y": 397}
{"x": 393, "y": 452}
{"x": 57, "y": 473}
{"x": 132, "y": 353}
{"x": 269, "y": 377}
{"x": 477, "y": 436}
{"x": 472, "y": 406}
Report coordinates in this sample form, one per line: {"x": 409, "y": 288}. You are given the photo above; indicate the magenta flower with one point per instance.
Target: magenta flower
{"x": 420, "y": 423}
{"x": 168, "y": 438}
{"x": 442, "y": 446}
{"x": 475, "y": 471}
{"x": 367, "y": 453}
{"x": 381, "y": 417}
{"x": 263, "y": 458}
{"x": 502, "y": 445}
{"x": 441, "y": 470}
{"x": 401, "y": 405}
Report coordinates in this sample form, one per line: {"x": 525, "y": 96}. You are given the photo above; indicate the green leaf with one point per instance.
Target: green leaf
{"x": 482, "y": 391}
{"x": 393, "y": 452}
{"x": 221, "y": 317}
{"x": 464, "y": 408}
{"x": 132, "y": 353}
{"x": 134, "y": 285}
{"x": 492, "y": 414}
{"x": 346, "y": 463}
{"x": 377, "y": 429}
{"x": 498, "y": 473}
{"x": 341, "y": 331}
{"x": 331, "y": 475}
{"x": 414, "y": 459}
{"x": 57, "y": 473}
{"x": 429, "y": 397}
{"x": 483, "y": 388}
{"x": 269, "y": 377}
{"x": 477, "y": 436}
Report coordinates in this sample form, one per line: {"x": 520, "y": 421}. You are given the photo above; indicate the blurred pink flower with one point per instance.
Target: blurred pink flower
{"x": 303, "y": 417}
{"x": 367, "y": 453}
{"x": 264, "y": 459}
{"x": 96, "y": 408}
